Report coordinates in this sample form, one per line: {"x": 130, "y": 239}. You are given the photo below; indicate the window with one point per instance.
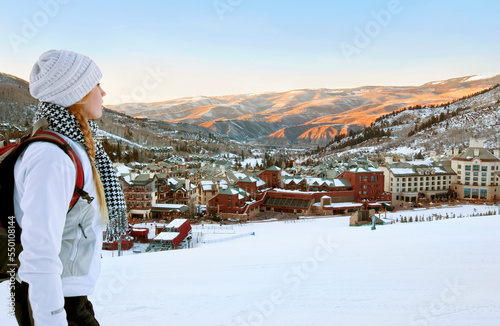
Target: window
{"x": 475, "y": 167}
{"x": 476, "y": 174}
{"x": 467, "y": 168}
{"x": 483, "y": 193}
{"x": 484, "y": 168}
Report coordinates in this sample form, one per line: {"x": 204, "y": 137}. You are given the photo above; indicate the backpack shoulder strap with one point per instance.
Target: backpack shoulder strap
{"x": 52, "y": 137}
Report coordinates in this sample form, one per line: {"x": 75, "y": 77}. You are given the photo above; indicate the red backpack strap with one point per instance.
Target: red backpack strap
{"x": 52, "y": 137}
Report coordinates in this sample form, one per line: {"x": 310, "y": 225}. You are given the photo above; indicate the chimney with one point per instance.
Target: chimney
{"x": 496, "y": 152}
{"x": 476, "y": 143}
{"x": 448, "y": 152}
{"x": 456, "y": 151}
{"x": 388, "y": 159}
{"x": 476, "y": 152}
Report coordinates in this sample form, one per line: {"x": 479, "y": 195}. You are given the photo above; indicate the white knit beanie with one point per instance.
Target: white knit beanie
{"x": 63, "y": 77}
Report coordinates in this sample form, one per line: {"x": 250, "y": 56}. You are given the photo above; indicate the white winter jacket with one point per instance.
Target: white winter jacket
{"x": 61, "y": 251}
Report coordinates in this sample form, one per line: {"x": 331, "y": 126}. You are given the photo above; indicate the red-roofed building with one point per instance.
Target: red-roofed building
{"x": 367, "y": 183}
{"x": 230, "y": 200}
{"x": 272, "y": 177}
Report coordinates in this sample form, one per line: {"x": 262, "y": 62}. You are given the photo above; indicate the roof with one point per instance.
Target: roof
{"x": 167, "y": 236}
{"x": 169, "y": 207}
{"x": 273, "y": 168}
{"x": 469, "y": 155}
{"x": 365, "y": 169}
{"x": 229, "y": 191}
{"x": 142, "y": 179}
{"x": 177, "y": 222}
{"x": 413, "y": 169}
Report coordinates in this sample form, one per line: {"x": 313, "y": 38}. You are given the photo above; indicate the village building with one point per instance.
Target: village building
{"x": 180, "y": 191}
{"x": 272, "y": 177}
{"x": 171, "y": 237}
{"x": 205, "y": 190}
{"x": 413, "y": 182}
{"x": 478, "y": 173}
{"x": 367, "y": 182}
{"x": 169, "y": 212}
{"x": 231, "y": 200}
{"x": 140, "y": 194}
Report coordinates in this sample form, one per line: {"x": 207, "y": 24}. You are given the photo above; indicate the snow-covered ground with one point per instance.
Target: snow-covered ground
{"x": 314, "y": 272}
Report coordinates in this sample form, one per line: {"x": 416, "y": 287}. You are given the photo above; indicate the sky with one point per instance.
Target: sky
{"x": 152, "y": 51}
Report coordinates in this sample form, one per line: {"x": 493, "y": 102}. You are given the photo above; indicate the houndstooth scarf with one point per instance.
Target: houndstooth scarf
{"x": 65, "y": 123}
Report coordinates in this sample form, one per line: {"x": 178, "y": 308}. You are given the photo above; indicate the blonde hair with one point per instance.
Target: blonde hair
{"x": 76, "y": 110}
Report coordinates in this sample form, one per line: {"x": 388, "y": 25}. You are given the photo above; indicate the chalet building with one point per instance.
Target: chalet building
{"x": 205, "y": 190}
{"x": 272, "y": 177}
{"x": 367, "y": 182}
{"x": 315, "y": 184}
{"x": 172, "y": 236}
{"x": 477, "y": 173}
{"x": 295, "y": 183}
{"x": 163, "y": 188}
{"x": 180, "y": 191}
{"x": 252, "y": 185}
{"x": 230, "y": 200}
{"x": 140, "y": 194}
{"x": 416, "y": 181}
{"x": 169, "y": 212}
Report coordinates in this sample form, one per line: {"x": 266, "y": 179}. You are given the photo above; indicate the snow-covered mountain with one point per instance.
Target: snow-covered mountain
{"x": 17, "y": 109}
{"x": 306, "y": 116}
{"x": 425, "y": 129}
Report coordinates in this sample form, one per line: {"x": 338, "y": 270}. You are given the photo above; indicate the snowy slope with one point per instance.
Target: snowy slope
{"x": 314, "y": 272}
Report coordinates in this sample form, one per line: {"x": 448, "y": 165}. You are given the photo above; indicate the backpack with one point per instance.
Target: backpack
{"x": 10, "y": 232}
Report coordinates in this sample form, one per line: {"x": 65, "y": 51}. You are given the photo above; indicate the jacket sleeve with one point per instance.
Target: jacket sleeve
{"x": 45, "y": 180}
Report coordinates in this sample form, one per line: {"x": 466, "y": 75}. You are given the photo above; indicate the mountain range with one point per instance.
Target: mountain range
{"x": 421, "y": 129}
{"x": 306, "y": 116}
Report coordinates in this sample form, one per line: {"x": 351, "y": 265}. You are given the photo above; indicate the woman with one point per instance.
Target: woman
{"x": 60, "y": 261}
